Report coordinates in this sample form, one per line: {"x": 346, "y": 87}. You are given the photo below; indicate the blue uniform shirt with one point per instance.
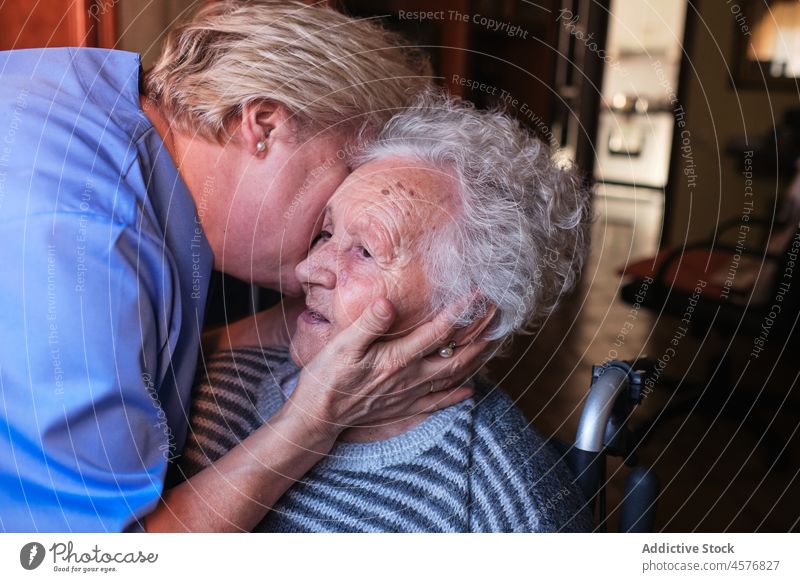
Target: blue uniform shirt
{"x": 104, "y": 271}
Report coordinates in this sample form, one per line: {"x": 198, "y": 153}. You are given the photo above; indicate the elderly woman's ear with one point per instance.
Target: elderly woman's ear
{"x": 474, "y": 331}
{"x": 258, "y": 124}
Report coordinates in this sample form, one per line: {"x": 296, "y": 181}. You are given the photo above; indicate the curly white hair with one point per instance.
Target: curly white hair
{"x": 520, "y": 237}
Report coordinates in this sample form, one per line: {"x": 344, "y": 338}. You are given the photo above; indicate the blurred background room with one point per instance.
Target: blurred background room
{"x": 685, "y": 117}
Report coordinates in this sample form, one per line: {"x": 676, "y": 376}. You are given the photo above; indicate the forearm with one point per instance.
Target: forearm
{"x": 271, "y": 327}
{"x": 236, "y": 492}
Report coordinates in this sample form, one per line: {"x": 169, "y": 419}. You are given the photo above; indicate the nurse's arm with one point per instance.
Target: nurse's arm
{"x": 235, "y": 492}
{"x": 268, "y": 328}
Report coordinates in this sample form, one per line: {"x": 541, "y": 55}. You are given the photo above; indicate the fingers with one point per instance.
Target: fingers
{"x": 440, "y": 400}
{"x": 372, "y": 324}
{"x": 463, "y": 363}
{"x": 426, "y": 337}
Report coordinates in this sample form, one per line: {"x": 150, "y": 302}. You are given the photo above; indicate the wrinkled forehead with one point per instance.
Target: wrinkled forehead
{"x": 407, "y": 186}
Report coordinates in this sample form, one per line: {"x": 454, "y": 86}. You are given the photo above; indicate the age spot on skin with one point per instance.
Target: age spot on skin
{"x": 385, "y": 192}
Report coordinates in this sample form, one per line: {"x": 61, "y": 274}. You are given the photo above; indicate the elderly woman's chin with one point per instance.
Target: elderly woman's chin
{"x": 307, "y": 343}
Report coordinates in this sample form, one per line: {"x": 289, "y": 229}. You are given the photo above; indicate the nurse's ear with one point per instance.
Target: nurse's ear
{"x": 258, "y": 124}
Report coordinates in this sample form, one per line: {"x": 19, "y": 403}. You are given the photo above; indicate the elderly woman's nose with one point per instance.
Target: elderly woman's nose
{"x": 317, "y": 269}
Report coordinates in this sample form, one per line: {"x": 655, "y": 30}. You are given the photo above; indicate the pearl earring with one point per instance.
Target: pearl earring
{"x": 447, "y": 351}
{"x": 261, "y": 146}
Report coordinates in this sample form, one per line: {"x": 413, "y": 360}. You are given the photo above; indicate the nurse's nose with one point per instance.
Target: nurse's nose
{"x": 318, "y": 268}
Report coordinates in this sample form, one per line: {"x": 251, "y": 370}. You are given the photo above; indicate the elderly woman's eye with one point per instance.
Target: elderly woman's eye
{"x": 323, "y": 235}
{"x": 364, "y": 252}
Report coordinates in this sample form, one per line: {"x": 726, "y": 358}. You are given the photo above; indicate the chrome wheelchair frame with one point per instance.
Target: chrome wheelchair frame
{"x": 615, "y": 390}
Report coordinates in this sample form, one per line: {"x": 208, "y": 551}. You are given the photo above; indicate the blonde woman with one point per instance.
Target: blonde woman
{"x": 119, "y": 197}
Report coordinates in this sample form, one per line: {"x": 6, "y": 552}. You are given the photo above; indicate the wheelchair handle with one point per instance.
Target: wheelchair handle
{"x": 616, "y": 388}
{"x": 609, "y": 382}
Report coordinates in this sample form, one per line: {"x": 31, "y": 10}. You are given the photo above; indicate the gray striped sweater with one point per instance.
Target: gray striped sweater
{"x": 473, "y": 467}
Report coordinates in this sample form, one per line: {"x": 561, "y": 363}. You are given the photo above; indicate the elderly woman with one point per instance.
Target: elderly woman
{"x": 451, "y": 210}
{"x": 120, "y": 190}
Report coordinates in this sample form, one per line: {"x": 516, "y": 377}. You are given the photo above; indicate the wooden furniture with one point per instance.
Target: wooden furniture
{"x": 54, "y": 23}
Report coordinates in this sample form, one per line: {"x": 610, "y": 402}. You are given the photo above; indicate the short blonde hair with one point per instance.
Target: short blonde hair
{"x": 325, "y": 68}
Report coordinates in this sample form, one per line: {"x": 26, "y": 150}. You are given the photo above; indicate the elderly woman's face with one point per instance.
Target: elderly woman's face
{"x": 369, "y": 247}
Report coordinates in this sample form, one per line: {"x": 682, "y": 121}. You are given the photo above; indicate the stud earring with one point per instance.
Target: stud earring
{"x": 447, "y": 351}
{"x": 261, "y": 146}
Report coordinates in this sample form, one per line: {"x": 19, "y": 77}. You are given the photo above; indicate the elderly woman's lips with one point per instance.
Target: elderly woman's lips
{"x": 313, "y": 317}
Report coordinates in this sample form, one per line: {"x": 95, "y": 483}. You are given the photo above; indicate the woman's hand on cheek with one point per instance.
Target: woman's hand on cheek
{"x": 356, "y": 379}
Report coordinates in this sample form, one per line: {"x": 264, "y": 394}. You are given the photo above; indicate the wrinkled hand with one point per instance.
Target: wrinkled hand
{"x": 356, "y": 380}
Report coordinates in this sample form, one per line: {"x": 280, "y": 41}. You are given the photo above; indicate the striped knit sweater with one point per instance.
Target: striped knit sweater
{"x": 473, "y": 467}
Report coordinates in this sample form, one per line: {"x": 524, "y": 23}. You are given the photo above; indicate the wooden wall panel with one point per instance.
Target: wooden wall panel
{"x": 53, "y": 23}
